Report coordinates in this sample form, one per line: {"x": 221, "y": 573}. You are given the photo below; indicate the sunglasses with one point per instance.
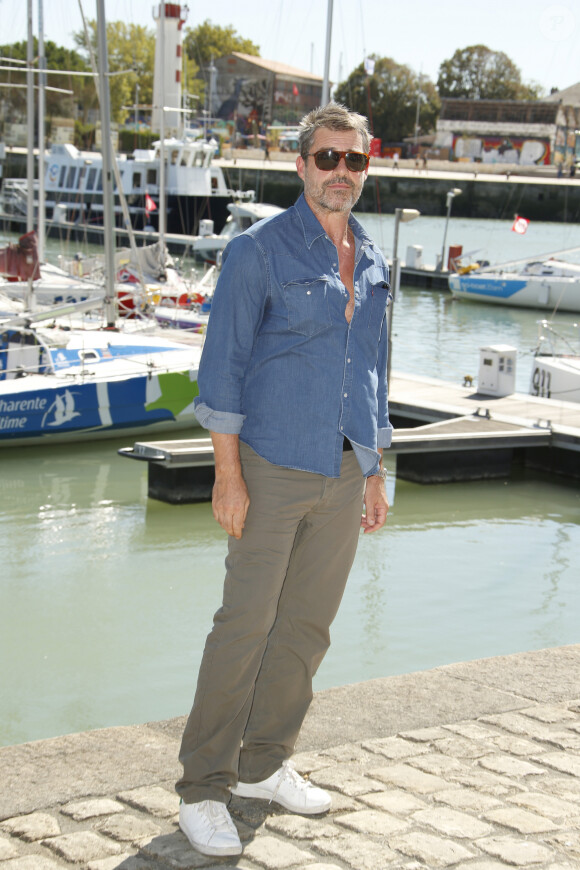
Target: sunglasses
{"x": 328, "y": 158}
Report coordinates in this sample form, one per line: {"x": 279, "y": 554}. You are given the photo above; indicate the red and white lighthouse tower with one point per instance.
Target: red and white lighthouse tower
{"x": 168, "y": 67}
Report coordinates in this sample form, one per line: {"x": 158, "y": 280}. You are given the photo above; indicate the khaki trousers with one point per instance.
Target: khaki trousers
{"x": 284, "y": 582}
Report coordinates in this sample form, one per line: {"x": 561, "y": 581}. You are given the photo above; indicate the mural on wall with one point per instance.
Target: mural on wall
{"x": 501, "y": 149}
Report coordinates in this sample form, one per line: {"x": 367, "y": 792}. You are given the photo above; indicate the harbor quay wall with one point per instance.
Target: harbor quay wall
{"x": 497, "y": 198}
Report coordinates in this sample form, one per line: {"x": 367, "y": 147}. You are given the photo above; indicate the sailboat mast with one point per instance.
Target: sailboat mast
{"x": 41, "y": 114}
{"x": 108, "y": 201}
{"x": 30, "y": 122}
{"x": 162, "y": 201}
{"x": 326, "y": 79}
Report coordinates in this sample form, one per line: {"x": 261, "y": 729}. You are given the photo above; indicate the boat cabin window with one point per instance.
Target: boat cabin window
{"x": 91, "y": 179}
{"x": 184, "y": 158}
{"x": 62, "y": 176}
{"x": 214, "y": 184}
{"x": 100, "y": 180}
{"x": 71, "y": 176}
{"x": 151, "y": 176}
{"x": 88, "y": 355}
{"x": 136, "y": 181}
{"x": 198, "y": 159}
{"x": 174, "y": 157}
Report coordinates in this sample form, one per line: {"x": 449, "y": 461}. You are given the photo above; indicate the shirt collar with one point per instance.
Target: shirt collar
{"x": 313, "y": 229}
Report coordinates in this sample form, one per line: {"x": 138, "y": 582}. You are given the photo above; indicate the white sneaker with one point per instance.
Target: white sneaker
{"x": 289, "y": 789}
{"x": 209, "y": 828}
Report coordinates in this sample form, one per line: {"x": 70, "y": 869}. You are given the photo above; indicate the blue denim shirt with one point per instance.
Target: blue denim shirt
{"x": 281, "y": 366}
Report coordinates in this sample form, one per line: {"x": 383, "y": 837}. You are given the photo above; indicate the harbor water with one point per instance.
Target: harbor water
{"x": 106, "y": 596}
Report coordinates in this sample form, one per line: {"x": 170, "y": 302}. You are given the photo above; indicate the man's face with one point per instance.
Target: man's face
{"x": 339, "y": 189}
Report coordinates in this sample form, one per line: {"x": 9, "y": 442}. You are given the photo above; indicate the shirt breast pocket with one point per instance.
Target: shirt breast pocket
{"x": 307, "y": 303}
{"x": 381, "y": 297}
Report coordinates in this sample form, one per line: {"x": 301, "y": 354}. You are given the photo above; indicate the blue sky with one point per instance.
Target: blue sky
{"x": 541, "y": 38}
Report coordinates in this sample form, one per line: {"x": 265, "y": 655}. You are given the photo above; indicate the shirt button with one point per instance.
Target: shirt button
{"x": 308, "y": 292}
{"x": 345, "y": 395}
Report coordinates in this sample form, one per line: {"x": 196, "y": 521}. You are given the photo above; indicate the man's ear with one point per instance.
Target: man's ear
{"x": 300, "y": 166}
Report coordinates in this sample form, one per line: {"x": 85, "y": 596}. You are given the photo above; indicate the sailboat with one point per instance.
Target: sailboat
{"x": 63, "y": 384}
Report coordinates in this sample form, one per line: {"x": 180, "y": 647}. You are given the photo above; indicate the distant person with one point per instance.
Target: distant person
{"x": 293, "y": 388}
{"x": 396, "y": 160}
{"x": 267, "y": 150}
{"x": 573, "y": 170}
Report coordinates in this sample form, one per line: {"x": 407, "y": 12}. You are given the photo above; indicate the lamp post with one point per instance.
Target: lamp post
{"x": 451, "y": 194}
{"x": 403, "y": 215}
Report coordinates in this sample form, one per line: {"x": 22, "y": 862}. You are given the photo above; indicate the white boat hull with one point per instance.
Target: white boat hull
{"x": 556, "y": 377}
{"x": 533, "y": 291}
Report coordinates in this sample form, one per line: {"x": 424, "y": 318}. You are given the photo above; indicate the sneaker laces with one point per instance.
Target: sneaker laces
{"x": 219, "y": 817}
{"x": 288, "y": 773}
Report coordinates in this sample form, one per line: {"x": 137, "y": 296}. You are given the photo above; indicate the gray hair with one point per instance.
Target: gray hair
{"x": 333, "y": 116}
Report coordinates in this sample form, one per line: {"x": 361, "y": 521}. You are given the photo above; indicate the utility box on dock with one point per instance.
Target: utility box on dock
{"x": 497, "y": 370}
{"x": 414, "y": 257}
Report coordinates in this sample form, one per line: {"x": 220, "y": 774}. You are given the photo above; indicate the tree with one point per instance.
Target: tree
{"x": 207, "y": 41}
{"x": 389, "y": 98}
{"x": 57, "y": 58}
{"x": 131, "y": 51}
{"x": 478, "y": 73}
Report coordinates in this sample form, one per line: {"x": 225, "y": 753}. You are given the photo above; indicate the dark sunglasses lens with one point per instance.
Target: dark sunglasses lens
{"x": 355, "y": 162}
{"x": 327, "y": 160}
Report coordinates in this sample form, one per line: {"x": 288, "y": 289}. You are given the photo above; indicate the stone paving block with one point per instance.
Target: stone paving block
{"x": 461, "y": 747}
{"x": 433, "y": 851}
{"x": 567, "y": 787}
{"x": 466, "y": 799}
{"x": 348, "y": 781}
{"x": 439, "y": 765}
{"x": 299, "y": 827}
{"x": 485, "y": 782}
{"x": 349, "y": 753}
{"x": 7, "y": 849}
{"x": 32, "y": 827}
{"x": 548, "y": 713}
{"x": 509, "y": 766}
{"x": 470, "y": 730}
{"x": 319, "y": 866}
{"x": 514, "y": 745}
{"x": 424, "y": 735}
{"x": 407, "y": 777}
{"x": 128, "y": 828}
{"x": 90, "y": 809}
{"x": 452, "y": 823}
{"x": 31, "y": 862}
{"x": 341, "y": 803}
{"x": 518, "y": 724}
{"x": 174, "y": 850}
{"x": 307, "y": 762}
{"x": 566, "y": 740}
{"x": 275, "y": 854}
{"x": 359, "y": 853}
{"x": 515, "y": 851}
{"x": 567, "y": 842}
{"x": 520, "y": 820}
{"x": 483, "y": 864}
{"x": 547, "y": 805}
{"x": 152, "y": 799}
{"x": 82, "y": 847}
{"x": 395, "y": 747}
{"x": 124, "y": 861}
{"x": 372, "y": 822}
{"x": 562, "y": 761}
{"x": 395, "y": 801}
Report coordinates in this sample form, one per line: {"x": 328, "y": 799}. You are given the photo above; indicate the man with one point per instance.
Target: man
{"x": 293, "y": 389}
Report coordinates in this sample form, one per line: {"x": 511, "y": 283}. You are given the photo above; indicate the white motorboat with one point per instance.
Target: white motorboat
{"x": 548, "y": 283}
{"x": 242, "y": 216}
{"x": 556, "y": 366}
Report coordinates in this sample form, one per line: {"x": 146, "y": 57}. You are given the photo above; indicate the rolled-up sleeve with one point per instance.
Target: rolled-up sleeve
{"x": 236, "y": 313}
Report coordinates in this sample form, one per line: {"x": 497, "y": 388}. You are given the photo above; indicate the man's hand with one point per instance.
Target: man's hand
{"x": 230, "y": 500}
{"x": 230, "y": 503}
{"x": 376, "y": 505}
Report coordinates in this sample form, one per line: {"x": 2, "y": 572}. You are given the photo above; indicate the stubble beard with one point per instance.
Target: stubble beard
{"x": 337, "y": 200}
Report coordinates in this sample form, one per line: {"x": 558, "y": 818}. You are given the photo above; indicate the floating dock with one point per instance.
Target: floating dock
{"x": 443, "y": 433}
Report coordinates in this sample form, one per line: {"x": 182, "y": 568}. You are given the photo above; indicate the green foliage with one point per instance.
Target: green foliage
{"x": 57, "y": 57}
{"x": 205, "y": 41}
{"x": 209, "y": 40}
{"x": 389, "y": 99}
{"x": 478, "y": 73}
{"x": 130, "y": 139}
{"x": 131, "y": 53}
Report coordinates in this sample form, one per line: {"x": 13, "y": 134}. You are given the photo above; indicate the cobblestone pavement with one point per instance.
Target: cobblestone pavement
{"x": 498, "y": 790}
